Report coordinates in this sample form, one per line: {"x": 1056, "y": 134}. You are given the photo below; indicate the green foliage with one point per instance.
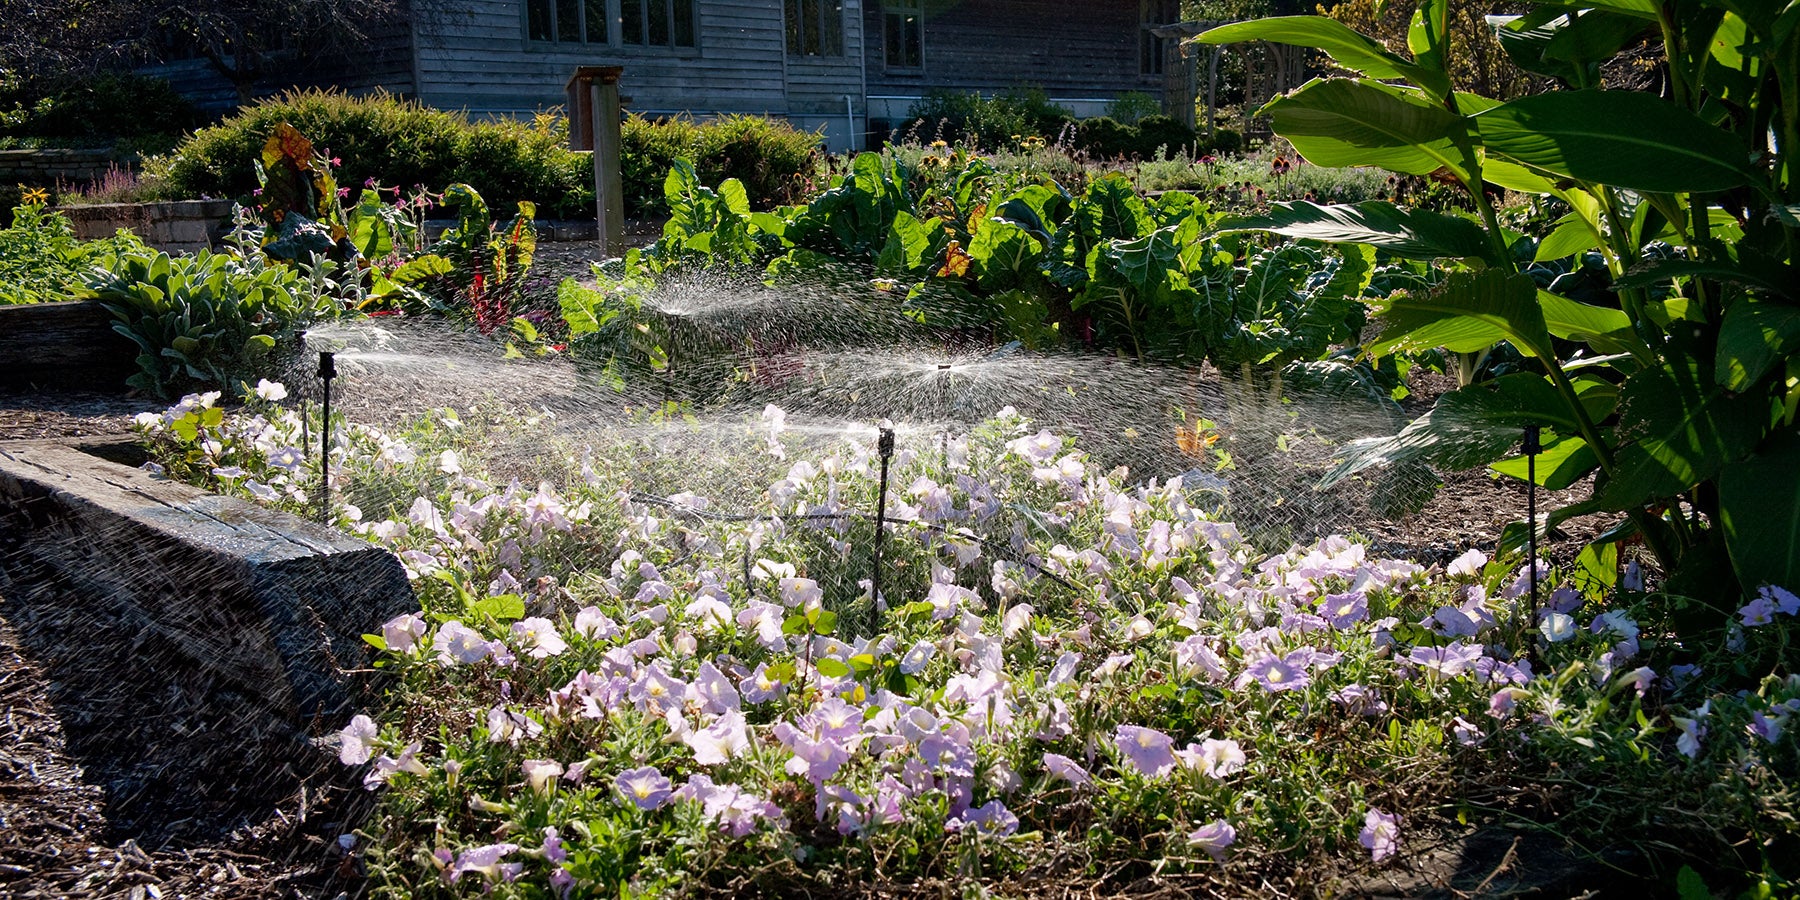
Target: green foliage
{"x": 975, "y": 248}
{"x": 41, "y": 259}
{"x": 994, "y": 122}
{"x": 771, "y": 159}
{"x": 389, "y": 140}
{"x": 133, "y": 112}
{"x": 1675, "y": 379}
{"x": 1132, "y": 107}
{"x": 476, "y": 270}
{"x": 211, "y": 319}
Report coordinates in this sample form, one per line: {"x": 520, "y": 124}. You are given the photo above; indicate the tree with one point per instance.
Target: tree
{"x": 243, "y": 40}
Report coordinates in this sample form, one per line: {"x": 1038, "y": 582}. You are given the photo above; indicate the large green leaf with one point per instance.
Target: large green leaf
{"x": 1677, "y": 428}
{"x": 1563, "y": 462}
{"x": 1622, "y": 138}
{"x": 1339, "y": 122}
{"x": 1412, "y": 233}
{"x": 908, "y": 243}
{"x": 1469, "y": 427}
{"x": 1606, "y": 330}
{"x": 1466, "y": 313}
{"x": 1756, "y": 334}
{"x": 1759, "y": 509}
{"x": 1345, "y": 46}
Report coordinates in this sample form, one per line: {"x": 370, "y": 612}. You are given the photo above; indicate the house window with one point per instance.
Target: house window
{"x": 903, "y": 33}
{"x": 657, "y": 23}
{"x": 566, "y": 21}
{"x": 1151, "y": 14}
{"x": 815, "y": 27}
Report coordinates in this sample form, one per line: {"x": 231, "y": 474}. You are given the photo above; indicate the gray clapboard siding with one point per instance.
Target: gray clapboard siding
{"x": 486, "y": 65}
{"x": 1081, "y": 50}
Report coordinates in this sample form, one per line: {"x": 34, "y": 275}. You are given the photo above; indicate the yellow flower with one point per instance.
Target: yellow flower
{"x": 34, "y": 197}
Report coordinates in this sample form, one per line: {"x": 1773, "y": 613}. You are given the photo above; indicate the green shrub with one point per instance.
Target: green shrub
{"x": 770, "y": 157}
{"x": 1106, "y": 138}
{"x": 395, "y": 142}
{"x": 130, "y": 111}
{"x": 42, "y": 261}
{"x": 988, "y": 123}
{"x": 1132, "y": 107}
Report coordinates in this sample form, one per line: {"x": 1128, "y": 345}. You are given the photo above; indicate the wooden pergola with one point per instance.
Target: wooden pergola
{"x": 1269, "y": 69}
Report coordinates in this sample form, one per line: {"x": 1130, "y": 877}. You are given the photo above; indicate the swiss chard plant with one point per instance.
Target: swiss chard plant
{"x": 1677, "y": 388}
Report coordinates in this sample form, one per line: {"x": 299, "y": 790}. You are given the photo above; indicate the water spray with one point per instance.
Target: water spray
{"x": 1531, "y": 446}
{"x": 327, "y": 371}
{"x": 884, "y": 446}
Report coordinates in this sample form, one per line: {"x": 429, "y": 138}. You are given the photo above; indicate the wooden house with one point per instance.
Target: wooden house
{"x": 849, "y": 67}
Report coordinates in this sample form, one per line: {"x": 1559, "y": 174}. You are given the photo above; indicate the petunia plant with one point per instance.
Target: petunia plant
{"x": 610, "y": 691}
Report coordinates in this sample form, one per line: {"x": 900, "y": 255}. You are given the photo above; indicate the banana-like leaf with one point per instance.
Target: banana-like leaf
{"x": 1759, "y": 509}
{"x": 1336, "y": 122}
{"x": 1563, "y": 462}
{"x": 1571, "y": 236}
{"x": 1345, "y": 46}
{"x": 1677, "y": 428}
{"x": 1467, "y": 312}
{"x": 1625, "y": 139}
{"x": 1412, "y": 233}
{"x": 1757, "y": 333}
{"x": 1606, "y": 330}
{"x": 1472, "y": 426}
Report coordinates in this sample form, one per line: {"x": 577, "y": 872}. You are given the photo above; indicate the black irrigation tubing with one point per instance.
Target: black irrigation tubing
{"x": 706, "y": 515}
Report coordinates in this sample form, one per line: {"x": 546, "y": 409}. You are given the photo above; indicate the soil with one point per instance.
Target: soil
{"x": 57, "y": 838}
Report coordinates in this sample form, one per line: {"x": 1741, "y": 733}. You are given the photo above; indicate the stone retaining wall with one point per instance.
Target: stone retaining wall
{"x": 176, "y": 226}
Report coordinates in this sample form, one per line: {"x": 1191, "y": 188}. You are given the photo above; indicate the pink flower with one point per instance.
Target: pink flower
{"x": 482, "y": 860}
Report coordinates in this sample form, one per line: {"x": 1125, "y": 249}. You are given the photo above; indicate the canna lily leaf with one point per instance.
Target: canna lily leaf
{"x": 1677, "y": 428}
{"x": 1563, "y": 462}
{"x": 1466, "y": 313}
{"x": 1757, "y": 334}
{"x": 1346, "y": 47}
{"x": 1759, "y": 510}
{"x": 1412, "y": 233}
{"x": 1473, "y": 426}
{"x": 1625, "y": 139}
{"x": 1339, "y": 122}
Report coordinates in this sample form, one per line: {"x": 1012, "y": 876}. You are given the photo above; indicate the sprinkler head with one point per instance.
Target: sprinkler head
{"x": 327, "y": 365}
{"x": 943, "y": 367}
{"x": 885, "y": 445}
{"x": 1532, "y": 444}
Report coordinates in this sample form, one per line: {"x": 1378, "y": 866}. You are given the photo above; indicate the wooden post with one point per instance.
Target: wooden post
{"x": 594, "y": 125}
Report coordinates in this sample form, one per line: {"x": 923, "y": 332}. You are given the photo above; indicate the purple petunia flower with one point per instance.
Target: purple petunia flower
{"x": 356, "y": 742}
{"x": 1213, "y": 837}
{"x": 1067, "y": 769}
{"x": 991, "y": 817}
{"x": 1381, "y": 834}
{"x": 1276, "y": 673}
{"x": 1148, "y": 751}
{"x": 482, "y": 860}
{"x": 1760, "y": 611}
{"x": 645, "y": 787}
